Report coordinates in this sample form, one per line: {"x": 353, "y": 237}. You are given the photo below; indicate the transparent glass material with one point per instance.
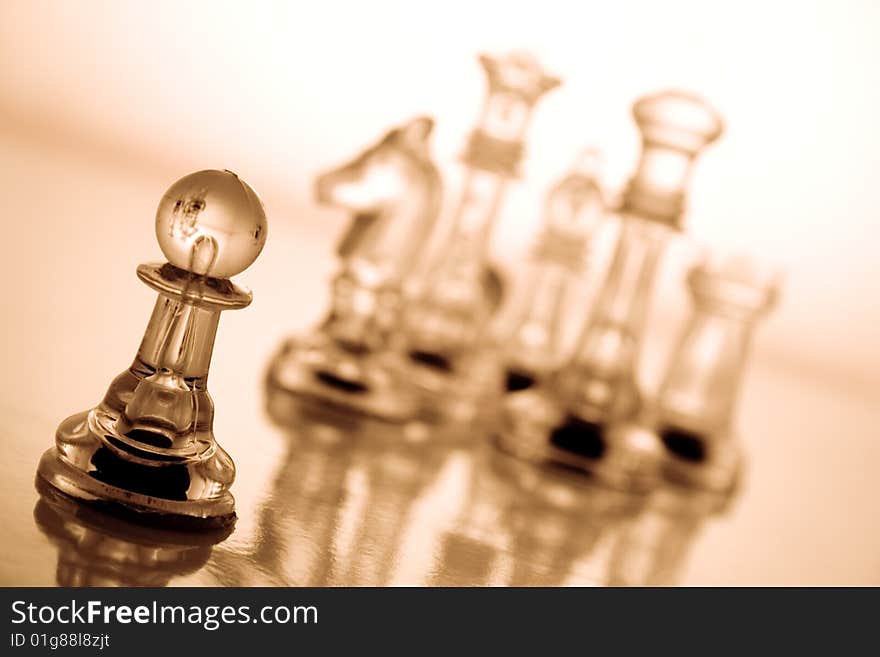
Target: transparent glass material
{"x": 99, "y": 549}
{"x": 148, "y": 448}
{"x": 211, "y": 223}
{"x": 573, "y": 209}
{"x": 446, "y": 323}
{"x": 697, "y": 400}
{"x": 569, "y": 419}
{"x": 393, "y": 190}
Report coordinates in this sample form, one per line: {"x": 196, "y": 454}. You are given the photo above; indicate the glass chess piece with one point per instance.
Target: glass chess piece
{"x": 573, "y": 209}
{"x": 697, "y": 400}
{"x": 148, "y": 448}
{"x": 393, "y": 191}
{"x": 98, "y": 549}
{"x": 444, "y": 326}
{"x": 296, "y": 541}
{"x": 570, "y": 419}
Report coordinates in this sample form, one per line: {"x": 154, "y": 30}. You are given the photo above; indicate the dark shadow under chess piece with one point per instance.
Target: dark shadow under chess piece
{"x": 393, "y": 191}
{"x": 97, "y": 549}
{"x": 148, "y": 448}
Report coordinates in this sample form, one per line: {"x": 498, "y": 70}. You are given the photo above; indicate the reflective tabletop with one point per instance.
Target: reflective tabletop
{"x": 334, "y": 501}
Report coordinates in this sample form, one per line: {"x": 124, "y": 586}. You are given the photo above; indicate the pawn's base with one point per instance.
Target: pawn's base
{"x": 535, "y": 428}
{"x": 217, "y": 513}
{"x": 184, "y": 493}
{"x": 366, "y": 383}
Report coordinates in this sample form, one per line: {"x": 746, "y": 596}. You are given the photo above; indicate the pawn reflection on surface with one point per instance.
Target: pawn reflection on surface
{"x": 97, "y": 549}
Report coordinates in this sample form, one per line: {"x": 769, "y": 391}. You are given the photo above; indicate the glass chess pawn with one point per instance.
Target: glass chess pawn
{"x": 148, "y": 448}
{"x": 572, "y": 418}
{"x": 393, "y": 191}
{"x": 444, "y": 326}
{"x": 574, "y": 207}
{"x": 697, "y": 401}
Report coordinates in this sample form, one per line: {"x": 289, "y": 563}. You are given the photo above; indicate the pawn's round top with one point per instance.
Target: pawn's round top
{"x": 211, "y": 223}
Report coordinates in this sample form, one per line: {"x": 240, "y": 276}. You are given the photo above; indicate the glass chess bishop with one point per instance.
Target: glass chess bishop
{"x": 148, "y": 447}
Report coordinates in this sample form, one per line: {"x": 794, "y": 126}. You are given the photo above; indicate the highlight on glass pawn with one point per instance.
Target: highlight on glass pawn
{"x": 148, "y": 449}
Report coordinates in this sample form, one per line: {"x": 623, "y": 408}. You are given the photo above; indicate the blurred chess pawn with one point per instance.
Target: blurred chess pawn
{"x": 97, "y": 549}
{"x": 393, "y": 192}
{"x": 573, "y": 210}
{"x": 696, "y": 407}
{"x": 148, "y": 448}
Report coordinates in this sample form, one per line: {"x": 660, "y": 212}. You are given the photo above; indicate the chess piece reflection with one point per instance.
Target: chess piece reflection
{"x": 526, "y": 525}
{"x": 653, "y": 547}
{"x": 339, "y": 504}
{"x": 97, "y": 549}
{"x": 571, "y": 419}
{"x": 445, "y": 325}
{"x": 558, "y": 520}
{"x": 697, "y": 400}
{"x": 299, "y": 522}
{"x": 148, "y": 447}
{"x": 573, "y": 210}
{"x": 393, "y": 191}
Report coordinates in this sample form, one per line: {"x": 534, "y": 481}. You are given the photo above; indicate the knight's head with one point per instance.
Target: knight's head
{"x": 383, "y": 174}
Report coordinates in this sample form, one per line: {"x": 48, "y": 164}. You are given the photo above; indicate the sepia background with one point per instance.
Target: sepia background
{"x": 103, "y": 105}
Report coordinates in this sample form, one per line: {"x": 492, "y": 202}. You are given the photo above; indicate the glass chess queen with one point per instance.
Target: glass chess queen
{"x": 393, "y": 190}
{"x": 148, "y": 447}
{"x": 571, "y": 418}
